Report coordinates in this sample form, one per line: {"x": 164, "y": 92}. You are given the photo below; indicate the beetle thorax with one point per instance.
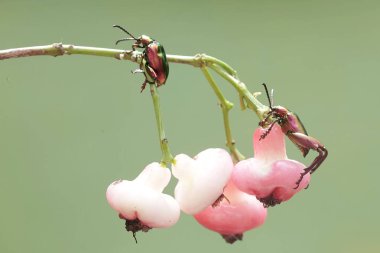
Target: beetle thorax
{"x": 145, "y": 40}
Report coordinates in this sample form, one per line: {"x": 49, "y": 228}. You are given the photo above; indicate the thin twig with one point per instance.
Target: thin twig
{"x": 226, "y": 106}
{"x": 199, "y": 60}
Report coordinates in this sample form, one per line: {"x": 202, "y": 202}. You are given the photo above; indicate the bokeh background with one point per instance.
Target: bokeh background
{"x": 71, "y": 125}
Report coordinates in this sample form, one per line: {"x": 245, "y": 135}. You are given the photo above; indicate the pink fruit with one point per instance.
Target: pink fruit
{"x": 270, "y": 175}
{"x": 201, "y": 180}
{"x": 236, "y": 213}
{"x": 141, "y": 201}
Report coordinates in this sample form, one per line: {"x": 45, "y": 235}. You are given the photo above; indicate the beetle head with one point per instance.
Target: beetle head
{"x": 280, "y": 113}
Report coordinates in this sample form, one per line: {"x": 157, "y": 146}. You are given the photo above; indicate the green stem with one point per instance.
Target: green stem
{"x": 201, "y": 60}
{"x": 226, "y": 107}
{"x": 245, "y": 95}
{"x": 167, "y": 157}
{"x": 59, "y": 49}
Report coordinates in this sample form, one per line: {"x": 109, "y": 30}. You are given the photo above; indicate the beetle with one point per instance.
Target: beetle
{"x": 154, "y": 64}
{"x": 293, "y": 128}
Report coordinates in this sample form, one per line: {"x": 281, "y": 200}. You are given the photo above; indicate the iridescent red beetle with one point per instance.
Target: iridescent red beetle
{"x": 154, "y": 64}
{"x": 292, "y": 127}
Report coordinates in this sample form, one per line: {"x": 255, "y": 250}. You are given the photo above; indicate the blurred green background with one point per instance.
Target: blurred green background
{"x": 71, "y": 125}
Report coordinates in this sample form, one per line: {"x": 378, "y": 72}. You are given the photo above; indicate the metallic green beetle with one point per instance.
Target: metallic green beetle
{"x": 154, "y": 64}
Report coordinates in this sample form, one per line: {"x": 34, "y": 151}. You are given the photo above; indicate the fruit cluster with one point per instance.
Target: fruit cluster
{"x": 224, "y": 197}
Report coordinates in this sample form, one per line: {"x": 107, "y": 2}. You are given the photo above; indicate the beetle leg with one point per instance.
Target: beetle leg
{"x": 322, "y": 154}
{"x": 143, "y": 85}
{"x": 146, "y": 80}
{"x": 264, "y": 121}
{"x": 314, "y": 165}
{"x": 142, "y": 72}
{"x": 305, "y": 143}
{"x": 151, "y": 73}
{"x": 137, "y": 71}
{"x": 268, "y": 130}
{"x": 136, "y": 45}
{"x": 300, "y": 179}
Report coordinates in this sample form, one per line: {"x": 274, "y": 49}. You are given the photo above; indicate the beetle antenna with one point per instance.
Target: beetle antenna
{"x": 125, "y": 39}
{"x": 272, "y": 97}
{"x": 270, "y": 101}
{"x": 124, "y": 30}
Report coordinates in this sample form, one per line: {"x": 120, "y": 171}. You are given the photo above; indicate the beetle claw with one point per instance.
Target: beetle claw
{"x": 143, "y": 86}
{"x": 300, "y": 179}
{"x": 267, "y": 130}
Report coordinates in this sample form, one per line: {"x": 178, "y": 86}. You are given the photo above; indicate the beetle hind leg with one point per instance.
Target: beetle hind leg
{"x": 314, "y": 165}
{"x": 322, "y": 156}
{"x": 143, "y": 85}
{"x": 318, "y": 160}
{"x": 300, "y": 179}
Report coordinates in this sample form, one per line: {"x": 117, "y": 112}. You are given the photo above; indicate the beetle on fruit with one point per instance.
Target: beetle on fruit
{"x": 293, "y": 128}
{"x": 154, "y": 64}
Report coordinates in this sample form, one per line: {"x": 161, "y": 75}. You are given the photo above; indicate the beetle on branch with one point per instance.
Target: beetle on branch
{"x": 154, "y": 64}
